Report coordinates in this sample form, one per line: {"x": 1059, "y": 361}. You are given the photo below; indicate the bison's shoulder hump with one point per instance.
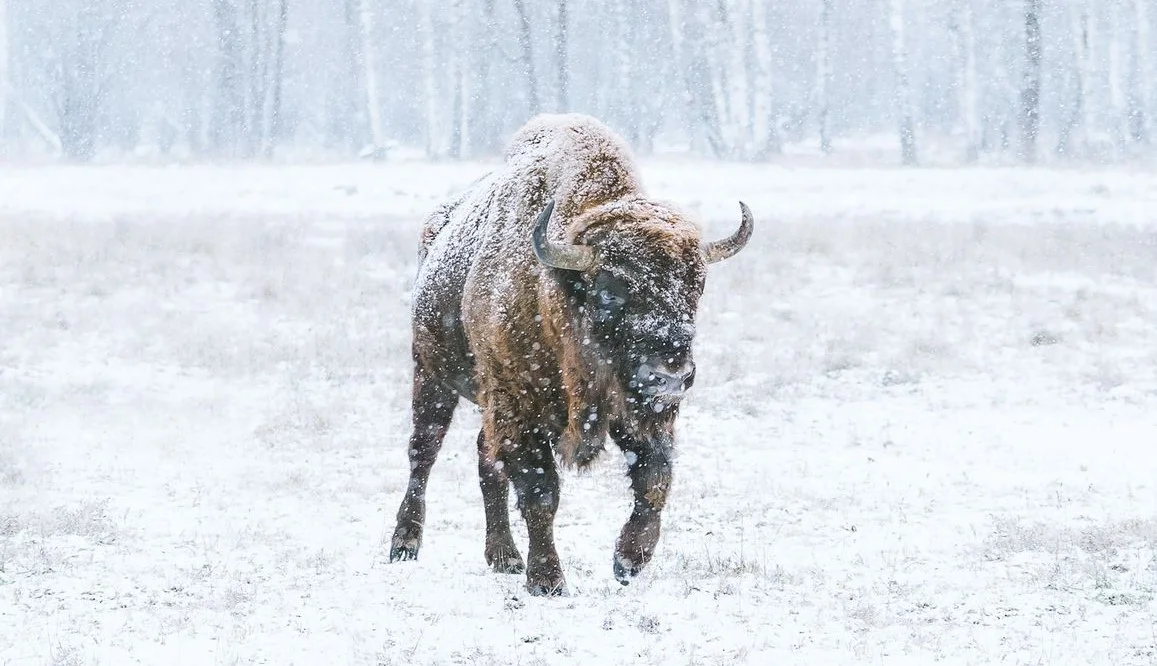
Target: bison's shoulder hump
{"x": 577, "y": 159}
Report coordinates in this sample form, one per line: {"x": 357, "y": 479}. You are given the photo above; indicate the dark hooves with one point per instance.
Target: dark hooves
{"x": 403, "y": 552}
{"x": 625, "y": 569}
{"x": 547, "y": 589}
{"x": 507, "y": 565}
{"x": 503, "y": 557}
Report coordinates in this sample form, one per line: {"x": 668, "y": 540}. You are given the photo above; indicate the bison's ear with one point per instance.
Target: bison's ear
{"x": 566, "y": 257}
{"x": 729, "y": 247}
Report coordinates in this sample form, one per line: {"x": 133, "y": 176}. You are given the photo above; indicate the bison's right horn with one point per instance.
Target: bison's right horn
{"x": 728, "y": 247}
{"x": 567, "y": 257}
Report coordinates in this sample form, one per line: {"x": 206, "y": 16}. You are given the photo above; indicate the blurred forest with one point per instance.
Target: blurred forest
{"x": 995, "y": 80}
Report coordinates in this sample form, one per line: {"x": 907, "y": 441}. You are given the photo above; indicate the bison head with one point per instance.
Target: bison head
{"x": 633, "y": 287}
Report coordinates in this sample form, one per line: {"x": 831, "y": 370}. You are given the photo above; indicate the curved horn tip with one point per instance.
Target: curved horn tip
{"x": 728, "y": 247}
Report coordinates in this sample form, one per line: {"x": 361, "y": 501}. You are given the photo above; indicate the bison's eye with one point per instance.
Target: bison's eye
{"x": 608, "y": 296}
{"x": 609, "y": 300}
{"x": 608, "y": 305}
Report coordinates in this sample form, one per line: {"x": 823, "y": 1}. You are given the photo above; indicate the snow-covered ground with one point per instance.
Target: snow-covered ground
{"x": 925, "y": 428}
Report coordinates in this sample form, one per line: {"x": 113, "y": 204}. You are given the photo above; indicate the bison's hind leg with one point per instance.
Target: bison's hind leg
{"x": 529, "y": 463}
{"x": 433, "y": 409}
{"x": 501, "y": 553}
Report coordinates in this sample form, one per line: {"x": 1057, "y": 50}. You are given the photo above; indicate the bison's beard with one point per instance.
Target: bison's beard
{"x": 608, "y": 406}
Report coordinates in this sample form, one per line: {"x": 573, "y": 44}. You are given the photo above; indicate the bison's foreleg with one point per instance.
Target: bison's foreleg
{"x": 649, "y": 466}
{"x": 501, "y": 553}
{"x": 530, "y": 465}
{"x": 433, "y": 408}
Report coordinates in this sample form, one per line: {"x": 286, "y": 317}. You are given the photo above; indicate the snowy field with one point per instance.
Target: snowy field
{"x": 923, "y": 431}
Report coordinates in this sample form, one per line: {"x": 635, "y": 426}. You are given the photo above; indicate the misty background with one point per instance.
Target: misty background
{"x": 917, "y": 81}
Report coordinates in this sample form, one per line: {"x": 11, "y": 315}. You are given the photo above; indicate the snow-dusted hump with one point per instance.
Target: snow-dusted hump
{"x": 573, "y": 158}
{"x": 580, "y": 161}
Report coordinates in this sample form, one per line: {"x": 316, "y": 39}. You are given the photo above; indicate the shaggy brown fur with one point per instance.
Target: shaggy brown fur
{"x": 556, "y": 359}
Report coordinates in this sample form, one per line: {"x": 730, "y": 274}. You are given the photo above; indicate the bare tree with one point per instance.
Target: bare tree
{"x": 228, "y": 103}
{"x": 966, "y": 59}
{"x": 430, "y": 70}
{"x": 690, "y": 48}
{"x": 1116, "y": 74}
{"x": 766, "y": 133}
{"x": 729, "y": 76}
{"x": 624, "y": 103}
{"x": 486, "y": 125}
{"x": 1141, "y": 75}
{"x": 257, "y": 78}
{"x": 377, "y": 148}
{"x": 275, "y": 120}
{"x": 719, "y": 46}
{"x": 526, "y": 47}
{"x": 560, "y": 58}
{"x": 3, "y": 72}
{"x": 1030, "y": 90}
{"x": 903, "y": 87}
{"x": 823, "y": 76}
{"x": 83, "y": 74}
{"x": 460, "y": 107}
{"x": 1079, "y": 124}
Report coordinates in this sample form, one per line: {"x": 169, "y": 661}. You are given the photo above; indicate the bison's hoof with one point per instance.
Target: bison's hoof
{"x": 626, "y": 569}
{"x": 546, "y": 582}
{"x": 506, "y": 563}
{"x": 502, "y": 555}
{"x": 402, "y": 550}
{"x": 547, "y": 589}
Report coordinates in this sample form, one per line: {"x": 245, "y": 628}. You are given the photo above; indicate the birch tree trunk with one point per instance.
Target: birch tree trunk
{"x": 348, "y": 127}
{"x": 696, "y": 69}
{"x": 527, "y": 56}
{"x": 713, "y": 31}
{"x": 258, "y": 75}
{"x": 429, "y": 79}
{"x": 81, "y": 94}
{"x": 1080, "y": 124}
{"x": 228, "y": 100}
{"x": 1030, "y": 91}
{"x": 560, "y": 55}
{"x": 903, "y": 87}
{"x": 966, "y": 54}
{"x": 373, "y": 100}
{"x": 763, "y": 113}
{"x": 627, "y": 111}
{"x": 823, "y": 76}
{"x": 735, "y": 85}
{"x": 733, "y": 72}
{"x": 460, "y": 55}
{"x": 1116, "y": 85}
{"x": 486, "y": 123}
{"x": 274, "y": 133}
{"x": 3, "y": 74}
{"x": 1143, "y": 83}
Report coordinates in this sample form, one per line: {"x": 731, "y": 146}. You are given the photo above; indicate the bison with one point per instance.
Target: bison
{"x": 560, "y": 299}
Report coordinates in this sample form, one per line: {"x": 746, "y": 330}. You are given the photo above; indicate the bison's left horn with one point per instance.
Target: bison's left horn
{"x": 729, "y": 247}
{"x": 567, "y": 257}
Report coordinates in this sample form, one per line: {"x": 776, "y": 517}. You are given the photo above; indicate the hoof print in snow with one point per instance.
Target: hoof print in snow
{"x": 1044, "y": 339}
